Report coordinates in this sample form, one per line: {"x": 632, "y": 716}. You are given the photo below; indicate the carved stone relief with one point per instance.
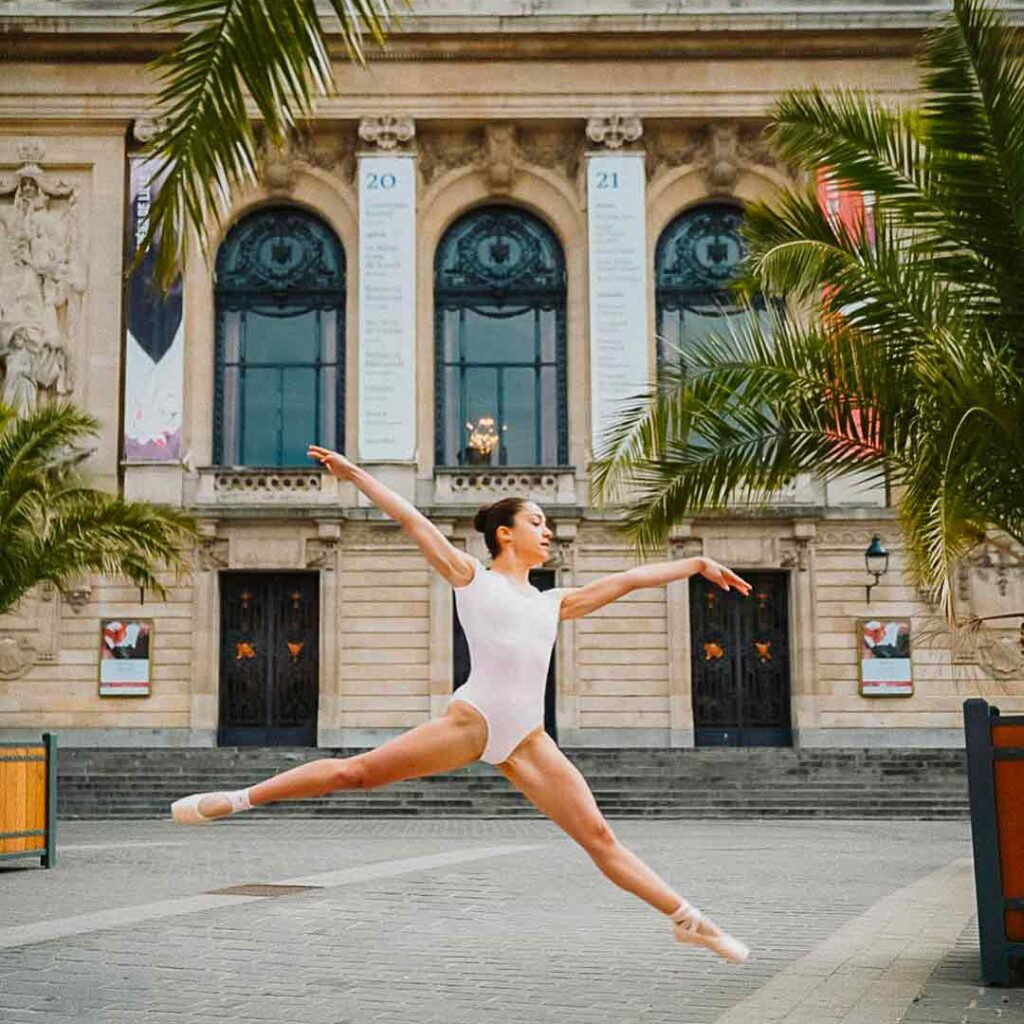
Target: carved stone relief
{"x": 42, "y": 279}
{"x": 990, "y": 582}
{"x": 387, "y": 132}
{"x": 17, "y": 656}
{"x": 501, "y": 156}
{"x": 29, "y": 632}
{"x": 440, "y": 151}
{"x": 720, "y": 150}
{"x": 498, "y": 150}
{"x": 328, "y": 150}
{"x": 322, "y": 553}
{"x": 615, "y": 130}
{"x": 213, "y": 554}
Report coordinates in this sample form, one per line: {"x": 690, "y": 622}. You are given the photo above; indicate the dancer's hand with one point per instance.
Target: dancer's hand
{"x": 335, "y": 462}
{"x": 723, "y": 576}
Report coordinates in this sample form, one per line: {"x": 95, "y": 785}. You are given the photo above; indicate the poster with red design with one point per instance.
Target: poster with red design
{"x": 884, "y": 658}
{"x": 125, "y": 657}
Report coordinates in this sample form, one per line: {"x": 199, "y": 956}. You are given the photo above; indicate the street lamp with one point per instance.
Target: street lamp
{"x": 876, "y": 559}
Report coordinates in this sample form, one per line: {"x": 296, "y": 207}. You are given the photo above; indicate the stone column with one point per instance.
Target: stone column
{"x": 322, "y": 554}
{"x": 682, "y": 544}
{"x": 798, "y": 556}
{"x": 211, "y": 557}
{"x": 567, "y": 713}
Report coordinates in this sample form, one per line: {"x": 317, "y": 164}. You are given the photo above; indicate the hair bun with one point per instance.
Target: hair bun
{"x": 480, "y": 519}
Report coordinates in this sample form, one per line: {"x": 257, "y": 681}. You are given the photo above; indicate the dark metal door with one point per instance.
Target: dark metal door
{"x": 740, "y": 663}
{"x": 542, "y": 579}
{"x": 270, "y": 625}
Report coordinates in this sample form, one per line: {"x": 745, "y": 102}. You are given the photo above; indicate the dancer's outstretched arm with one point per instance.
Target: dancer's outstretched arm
{"x": 454, "y": 565}
{"x": 583, "y": 600}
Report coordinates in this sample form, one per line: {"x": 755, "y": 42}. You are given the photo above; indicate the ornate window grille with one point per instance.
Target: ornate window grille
{"x": 699, "y": 256}
{"x": 499, "y": 328}
{"x": 280, "y": 330}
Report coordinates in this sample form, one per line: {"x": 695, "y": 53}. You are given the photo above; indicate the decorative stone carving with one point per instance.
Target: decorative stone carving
{"x": 553, "y": 149}
{"x": 332, "y": 151}
{"x": 850, "y": 538}
{"x": 213, "y": 554}
{"x": 561, "y": 556}
{"x": 614, "y": 131}
{"x": 321, "y": 553}
{"x": 990, "y": 580}
{"x": 726, "y": 148}
{"x": 501, "y": 156}
{"x": 1001, "y": 652}
{"x": 144, "y": 129}
{"x": 30, "y": 631}
{"x": 479, "y": 486}
{"x": 17, "y": 656}
{"x": 387, "y": 132}
{"x": 441, "y": 151}
{"x": 78, "y": 597}
{"x": 498, "y": 151}
{"x": 278, "y": 168}
{"x": 42, "y": 278}
{"x": 668, "y": 148}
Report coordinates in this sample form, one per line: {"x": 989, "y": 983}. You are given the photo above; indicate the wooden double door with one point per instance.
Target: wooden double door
{"x": 740, "y": 665}
{"x": 269, "y": 679}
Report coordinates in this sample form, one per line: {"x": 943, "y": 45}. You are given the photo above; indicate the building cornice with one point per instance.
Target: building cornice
{"x": 111, "y": 30}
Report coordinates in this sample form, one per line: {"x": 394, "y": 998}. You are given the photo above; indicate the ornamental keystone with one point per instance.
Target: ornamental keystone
{"x": 615, "y": 130}
{"x": 386, "y": 132}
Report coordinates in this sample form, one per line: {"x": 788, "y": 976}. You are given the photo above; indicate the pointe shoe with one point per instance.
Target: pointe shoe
{"x": 723, "y": 944}
{"x": 186, "y": 810}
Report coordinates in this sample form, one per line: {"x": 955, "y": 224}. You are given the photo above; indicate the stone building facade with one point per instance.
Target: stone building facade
{"x": 498, "y": 109}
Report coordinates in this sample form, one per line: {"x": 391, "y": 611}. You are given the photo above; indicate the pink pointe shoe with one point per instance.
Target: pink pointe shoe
{"x": 688, "y": 930}
{"x": 186, "y": 810}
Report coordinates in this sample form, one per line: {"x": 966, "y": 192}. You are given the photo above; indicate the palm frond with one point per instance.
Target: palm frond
{"x": 272, "y": 53}
{"x": 54, "y": 527}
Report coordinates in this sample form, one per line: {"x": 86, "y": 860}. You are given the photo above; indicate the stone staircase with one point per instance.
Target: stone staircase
{"x": 691, "y": 783}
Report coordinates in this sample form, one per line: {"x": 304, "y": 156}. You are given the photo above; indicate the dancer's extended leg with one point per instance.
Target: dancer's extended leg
{"x": 441, "y": 745}
{"x": 555, "y": 786}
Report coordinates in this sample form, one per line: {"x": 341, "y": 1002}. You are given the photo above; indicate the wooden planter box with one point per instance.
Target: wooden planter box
{"x": 995, "y": 776}
{"x": 28, "y": 800}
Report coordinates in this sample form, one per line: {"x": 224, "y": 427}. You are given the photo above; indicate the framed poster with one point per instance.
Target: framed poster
{"x": 125, "y": 657}
{"x": 883, "y": 657}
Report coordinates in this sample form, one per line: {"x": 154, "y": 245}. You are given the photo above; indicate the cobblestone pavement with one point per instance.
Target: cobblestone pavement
{"x": 459, "y": 920}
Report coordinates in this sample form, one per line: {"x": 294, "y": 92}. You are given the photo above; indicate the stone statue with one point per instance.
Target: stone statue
{"x": 42, "y": 278}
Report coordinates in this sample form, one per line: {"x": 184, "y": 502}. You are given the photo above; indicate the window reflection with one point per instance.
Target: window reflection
{"x": 699, "y": 256}
{"x": 280, "y": 295}
{"x": 500, "y": 342}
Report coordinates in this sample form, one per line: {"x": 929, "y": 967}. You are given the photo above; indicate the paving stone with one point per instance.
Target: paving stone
{"x": 528, "y": 939}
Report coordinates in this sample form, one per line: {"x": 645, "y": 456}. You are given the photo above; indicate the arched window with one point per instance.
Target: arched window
{"x": 499, "y": 300}
{"x": 697, "y": 258}
{"x": 280, "y": 301}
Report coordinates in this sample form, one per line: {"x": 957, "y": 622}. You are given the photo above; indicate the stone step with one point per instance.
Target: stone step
{"x": 636, "y": 782}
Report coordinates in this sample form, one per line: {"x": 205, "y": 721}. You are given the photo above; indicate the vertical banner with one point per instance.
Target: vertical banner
{"x": 617, "y": 256}
{"x": 154, "y": 346}
{"x": 387, "y": 307}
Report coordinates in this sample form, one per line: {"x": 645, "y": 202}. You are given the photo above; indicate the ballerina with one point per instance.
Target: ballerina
{"x": 498, "y": 715}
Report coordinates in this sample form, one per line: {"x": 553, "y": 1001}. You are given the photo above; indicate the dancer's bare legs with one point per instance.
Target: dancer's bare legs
{"x": 443, "y": 744}
{"x": 555, "y": 786}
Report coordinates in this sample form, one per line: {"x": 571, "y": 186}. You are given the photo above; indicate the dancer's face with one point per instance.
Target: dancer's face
{"x": 529, "y": 539}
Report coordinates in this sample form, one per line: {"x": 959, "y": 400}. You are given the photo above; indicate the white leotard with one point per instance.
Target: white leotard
{"x": 510, "y": 631}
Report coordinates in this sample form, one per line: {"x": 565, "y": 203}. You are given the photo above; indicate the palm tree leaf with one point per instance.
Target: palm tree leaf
{"x": 272, "y": 53}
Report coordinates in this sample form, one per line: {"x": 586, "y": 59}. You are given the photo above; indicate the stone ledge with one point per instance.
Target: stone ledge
{"x": 554, "y": 485}
{"x": 230, "y": 486}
